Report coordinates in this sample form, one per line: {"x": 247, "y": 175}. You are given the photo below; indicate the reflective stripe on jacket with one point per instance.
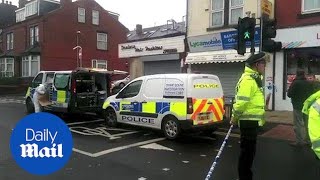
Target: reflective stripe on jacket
{"x": 249, "y": 100}
{"x": 314, "y": 124}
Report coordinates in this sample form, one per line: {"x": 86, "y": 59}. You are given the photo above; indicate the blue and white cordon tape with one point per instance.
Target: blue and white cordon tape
{"x": 218, "y": 155}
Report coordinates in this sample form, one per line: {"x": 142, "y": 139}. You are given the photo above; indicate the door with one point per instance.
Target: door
{"x": 35, "y": 83}
{"x": 83, "y": 88}
{"x": 130, "y": 106}
{"x": 161, "y": 67}
{"x": 61, "y": 93}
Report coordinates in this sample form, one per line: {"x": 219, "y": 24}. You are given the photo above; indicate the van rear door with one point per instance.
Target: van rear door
{"x": 206, "y": 95}
{"x": 60, "y": 91}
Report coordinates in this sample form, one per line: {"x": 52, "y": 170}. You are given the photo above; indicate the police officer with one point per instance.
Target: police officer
{"x": 248, "y": 111}
{"x": 311, "y": 108}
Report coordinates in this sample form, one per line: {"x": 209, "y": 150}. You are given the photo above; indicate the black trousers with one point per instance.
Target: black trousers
{"x": 248, "y": 140}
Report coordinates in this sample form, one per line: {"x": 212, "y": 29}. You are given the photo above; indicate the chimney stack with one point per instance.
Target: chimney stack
{"x": 7, "y": 2}
{"x": 10, "y": 3}
{"x": 139, "y": 29}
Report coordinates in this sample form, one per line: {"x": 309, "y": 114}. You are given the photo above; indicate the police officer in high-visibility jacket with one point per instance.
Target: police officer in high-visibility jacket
{"x": 311, "y": 108}
{"x": 248, "y": 111}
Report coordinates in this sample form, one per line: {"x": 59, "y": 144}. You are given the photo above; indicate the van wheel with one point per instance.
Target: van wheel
{"x": 110, "y": 118}
{"x": 171, "y": 127}
{"x": 29, "y": 106}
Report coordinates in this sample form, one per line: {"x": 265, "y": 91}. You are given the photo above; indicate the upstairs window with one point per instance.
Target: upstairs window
{"x": 81, "y": 15}
{"x": 9, "y": 41}
{"x": 102, "y": 41}
{"x": 101, "y": 64}
{"x": 236, "y": 11}
{"x": 34, "y": 35}
{"x": 95, "y": 17}
{"x": 310, "y": 6}
{"x": 217, "y": 13}
{"x": 31, "y": 8}
{"x": 20, "y": 15}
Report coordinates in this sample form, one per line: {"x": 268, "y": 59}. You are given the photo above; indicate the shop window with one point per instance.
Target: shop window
{"x": 307, "y": 60}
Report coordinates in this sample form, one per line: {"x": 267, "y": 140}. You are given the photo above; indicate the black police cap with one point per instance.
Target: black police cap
{"x": 256, "y": 58}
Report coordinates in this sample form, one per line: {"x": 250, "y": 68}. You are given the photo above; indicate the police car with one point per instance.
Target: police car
{"x": 170, "y": 102}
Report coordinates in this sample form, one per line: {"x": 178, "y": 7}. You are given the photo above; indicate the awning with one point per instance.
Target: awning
{"x": 226, "y": 56}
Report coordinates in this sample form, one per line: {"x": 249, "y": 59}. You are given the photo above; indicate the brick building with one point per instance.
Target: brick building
{"x": 46, "y": 32}
{"x": 299, "y": 32}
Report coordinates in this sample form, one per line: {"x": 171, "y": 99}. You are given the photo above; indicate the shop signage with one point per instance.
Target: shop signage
{"x": 299, "y": 37}
{"x": 218, "y": 41}
{"x": 152, "y": 47}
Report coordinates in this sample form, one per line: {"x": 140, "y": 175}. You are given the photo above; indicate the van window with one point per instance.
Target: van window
{"x": 61, "y": 81}
{"x": 174, "y": 88}
{"x": 37, "y": 80}
{"x": 154, "y": 88}
{"x": 49, "y": 78}
{"x": 131, "y": 90}
{"x": 206, "y": 87}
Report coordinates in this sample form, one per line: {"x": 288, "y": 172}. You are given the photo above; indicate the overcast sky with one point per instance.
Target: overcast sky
{"x": 145, "y": 12}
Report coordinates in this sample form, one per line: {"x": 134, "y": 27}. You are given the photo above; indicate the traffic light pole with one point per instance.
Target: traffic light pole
{"x": 261, "y": 25}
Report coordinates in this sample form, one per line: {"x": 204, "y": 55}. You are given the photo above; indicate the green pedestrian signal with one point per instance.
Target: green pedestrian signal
{"x": 246, "y": 35}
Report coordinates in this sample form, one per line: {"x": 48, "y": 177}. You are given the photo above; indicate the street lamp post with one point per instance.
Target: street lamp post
{"x": 78, "y": 58}
{"x": 79, "y": 55}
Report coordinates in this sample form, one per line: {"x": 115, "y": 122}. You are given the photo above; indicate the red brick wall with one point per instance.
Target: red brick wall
{"x": 60, "y": 32}
{"x": 288, "y": 14}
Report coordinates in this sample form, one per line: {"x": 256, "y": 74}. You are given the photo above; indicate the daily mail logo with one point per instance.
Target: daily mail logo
{"x": 33, "y": 150}
{"x": 40, "y": 139}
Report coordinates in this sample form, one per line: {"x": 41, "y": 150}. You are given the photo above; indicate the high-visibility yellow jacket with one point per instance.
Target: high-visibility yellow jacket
{"x": 249, "y": 100}
{"x": 312, "y": 109}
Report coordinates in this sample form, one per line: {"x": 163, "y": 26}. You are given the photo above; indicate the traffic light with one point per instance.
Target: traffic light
{"x": 269, "y": 31}
{"x": 246, "y": 30}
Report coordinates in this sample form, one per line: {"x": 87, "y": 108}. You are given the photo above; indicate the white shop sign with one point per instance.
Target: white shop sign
{"x": 152, "y": 47}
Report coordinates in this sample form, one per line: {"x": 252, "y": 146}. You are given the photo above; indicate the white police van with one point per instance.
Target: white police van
{"x": 170, "y": 102}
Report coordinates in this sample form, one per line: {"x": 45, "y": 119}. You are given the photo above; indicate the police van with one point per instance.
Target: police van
{"x": 168, "y": 102}
{"x": 80, "y": 90}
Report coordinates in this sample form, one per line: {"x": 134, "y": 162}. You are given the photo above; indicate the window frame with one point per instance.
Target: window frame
{"x": 217, "y": 11}
{"x": 233, "y": 8}
{"x": 100, "y": 41}
{"x": 31, "y": 8}
{"x": 29, "y": 61}
{"x": 96, "y": 62}
{"x": 5, "y": 63}
{"x": 10, "y": 38}
{"x": 81, "y": 17}
{"x": 95, "y": 17}
{"x": 310, "y": 11}
{"x": 33, "y": 35}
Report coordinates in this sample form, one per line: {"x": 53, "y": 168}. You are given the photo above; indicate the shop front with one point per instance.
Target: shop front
{"x": 215, "y": 54}
{"x": 301, "y": 53}
{"x": 158, "y": 56}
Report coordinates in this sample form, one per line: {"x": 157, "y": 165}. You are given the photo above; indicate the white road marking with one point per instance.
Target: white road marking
{"x": 100, "y": 131}
{"x": 203, "y": 155}
{"x": 117, "y": 148}
{"x": 166, "y": 169}
{"x": 85, "y": 122}
{"x": 186, "y": 162}
{"x": 142, "y": 178}
{"x": 156, "y": 147}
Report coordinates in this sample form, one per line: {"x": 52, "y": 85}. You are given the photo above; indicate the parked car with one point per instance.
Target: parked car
{"x": 121, "y": 83}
